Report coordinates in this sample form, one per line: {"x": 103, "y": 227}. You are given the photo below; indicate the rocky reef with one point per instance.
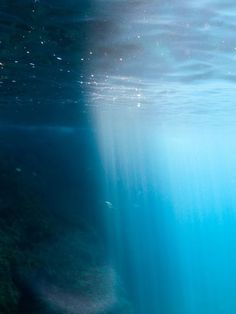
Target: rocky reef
{"x": 52, "y": 261}
{"x": 53, "y": 256}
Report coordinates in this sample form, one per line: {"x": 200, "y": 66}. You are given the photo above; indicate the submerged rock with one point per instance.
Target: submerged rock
{"x": 98, "y": 293}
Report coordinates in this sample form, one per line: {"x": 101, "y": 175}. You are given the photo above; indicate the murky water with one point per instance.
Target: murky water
{"x": 134, "y": 101}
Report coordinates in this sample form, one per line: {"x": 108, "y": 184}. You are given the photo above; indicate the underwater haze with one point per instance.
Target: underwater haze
{"x": 117, "y": 161}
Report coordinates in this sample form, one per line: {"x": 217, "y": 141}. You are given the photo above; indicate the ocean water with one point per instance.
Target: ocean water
{"x": 166, "y": 121}
{"x": 120, "y": 116}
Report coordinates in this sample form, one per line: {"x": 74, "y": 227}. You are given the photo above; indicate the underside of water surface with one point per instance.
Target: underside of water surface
{"x": 117, "y": 157}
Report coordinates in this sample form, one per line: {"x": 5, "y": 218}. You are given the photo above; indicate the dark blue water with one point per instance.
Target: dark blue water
{"x": 120, "y": 117}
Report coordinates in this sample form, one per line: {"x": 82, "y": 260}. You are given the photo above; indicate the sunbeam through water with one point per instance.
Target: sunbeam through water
{"x": 117, "y": 159}
{"x": 164, "y": 112}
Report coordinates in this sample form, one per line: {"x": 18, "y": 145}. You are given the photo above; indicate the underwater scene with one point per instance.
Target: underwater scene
{"x": 117, "y": 157}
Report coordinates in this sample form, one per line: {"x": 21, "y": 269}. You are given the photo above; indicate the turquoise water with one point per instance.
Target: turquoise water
{"x": 172, "y": 221}
{"x": 120, "y": 117}
{"x": 165, "y": 113}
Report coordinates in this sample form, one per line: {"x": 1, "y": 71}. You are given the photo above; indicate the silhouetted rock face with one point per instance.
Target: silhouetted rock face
{"x": 70, "y": 278}
{"x": 75, "y": 275}
{"x": 53, "y": 257}
{"x": 100, "y": 294}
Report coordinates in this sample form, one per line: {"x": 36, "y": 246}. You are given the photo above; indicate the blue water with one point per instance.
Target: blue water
{"x": 138, "y": 98}
{"x": 165, "y": 113}
{"x": 172, "y": 221}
